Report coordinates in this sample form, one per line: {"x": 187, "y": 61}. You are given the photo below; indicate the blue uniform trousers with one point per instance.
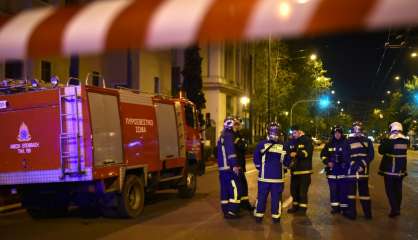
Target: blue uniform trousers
{"x": 275, "y": 189}
{"x": 230, "y": 191}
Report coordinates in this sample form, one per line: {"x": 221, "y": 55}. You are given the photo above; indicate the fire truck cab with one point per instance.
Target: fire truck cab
{"x": 98, "y": 148}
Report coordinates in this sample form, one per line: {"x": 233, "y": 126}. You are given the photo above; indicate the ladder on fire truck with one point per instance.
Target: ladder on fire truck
{"x": 71, "y": 153}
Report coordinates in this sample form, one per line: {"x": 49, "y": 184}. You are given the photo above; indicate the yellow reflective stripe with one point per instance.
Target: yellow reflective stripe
{"x": 255, "y": 208}
{"x": 224, "y": 202}
{"x": 223, "y": 168}
{"x": 234, "y": 201}
{"x": 305, "y": 152}
{"x": 245, "y": 198}
{"x": 355, "y": 145}
{"x": 343, "y": 205}
{"x": 323, "y": 158}
{"x": 256, "y": 214}
{"x": 232, "y": 156}
{"x": 332, "y": 177}
{"x": 269, "y": 180}
{"x": 304, "y": 205}
{"x": 234, "y": 186}
{"x": 358, "y": 155}
{"x": 393, "y": 174}
{"x": 237, "y": 140}
{"x": 301, "y": 146}
{"x": 364, "y": 197}
{"x": 279, "y": 211}
{"x": 335, "y": 204}
{"x": 351, "y": 197}
{"x": 400, "y": 146}
{"x": 295, "y": 203}
{"x": 331, "y": 149}
{"x": 396, "y": 156}
{"x": 302, "y": 172}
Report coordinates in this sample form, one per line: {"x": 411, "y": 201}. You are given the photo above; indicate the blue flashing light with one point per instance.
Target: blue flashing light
{"x": 416, "y": 98}
{"x": 324, "y": 102}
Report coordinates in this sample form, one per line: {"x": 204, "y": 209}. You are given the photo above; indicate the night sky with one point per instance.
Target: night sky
{"x": 353, "y": 60}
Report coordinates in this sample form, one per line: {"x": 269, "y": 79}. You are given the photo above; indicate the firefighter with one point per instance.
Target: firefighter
{"x": 241, "y": 146}
{"x": 300, "y": 150}
{"x": 393, "y": 166}
{"x": 335, "y": 157}
{"x": 268, "y": 159}
{"x": 229, "y": 171}
{"x": 357, "y": 173}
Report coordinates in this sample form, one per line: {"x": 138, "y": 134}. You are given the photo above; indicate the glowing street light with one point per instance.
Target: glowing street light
{"x": 313, "y": 57}
{"x": 342, "y": 110}
{"x": 324, "y": 102}
{"x": 332, "y": 92}
{"x": 414, "y": 55}
{"x": 397, "y": 78}
{"x": 388, "y": 92}
{"x": 244, "y": 101}
{"x": 338, "y": 102}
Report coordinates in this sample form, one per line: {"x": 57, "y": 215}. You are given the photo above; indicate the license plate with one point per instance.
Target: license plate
{"x": 3, "y": 104}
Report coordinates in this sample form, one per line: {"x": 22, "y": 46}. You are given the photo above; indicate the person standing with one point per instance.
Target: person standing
{"x": 241, "y": 146}
{"x": 300, "y": 150}
{"x": 268, "y": 159}
{"x": 357, "y": 175}
{"x": 335, "y": 156}
{"x": 393, "y": 166}
{"x": 229, "y": 171}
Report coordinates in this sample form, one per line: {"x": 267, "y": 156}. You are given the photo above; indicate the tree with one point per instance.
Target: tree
{"x": 192, "y": 74}
{"x": 292, "y": 78}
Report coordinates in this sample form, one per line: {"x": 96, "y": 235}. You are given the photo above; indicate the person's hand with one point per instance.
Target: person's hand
{"x": 330, "y": 164}
{"x": 236, "y": 170}
{"x": 293, "y": 154}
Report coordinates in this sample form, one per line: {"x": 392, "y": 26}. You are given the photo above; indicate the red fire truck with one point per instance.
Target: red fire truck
{"x": 95, "y": 147}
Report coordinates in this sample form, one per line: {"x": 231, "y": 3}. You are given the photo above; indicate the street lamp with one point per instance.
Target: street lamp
{"x": 342, "y": 110}
{"x": 397, "y": 78}
{"x": 313, "y": 57}
{"x": 323, "y": 101}
{"x": 338, "y": 102}
{"x": 332, "y": 92}
{"x": 414, "y": 55}
{"x": 388, "y": 92}
{"x": 244, "y": 101}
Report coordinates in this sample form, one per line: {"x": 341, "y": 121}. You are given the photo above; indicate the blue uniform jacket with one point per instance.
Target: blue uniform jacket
{"x": 361, "y": 154}
{"x": 268, "y": 159}
{"x": 337, "y": 152}
{"x": 227, "y": 157}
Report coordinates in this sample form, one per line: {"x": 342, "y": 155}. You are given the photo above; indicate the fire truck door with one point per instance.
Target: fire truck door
{"x": 167, "y": 131}
{"x": 106, "y": 128}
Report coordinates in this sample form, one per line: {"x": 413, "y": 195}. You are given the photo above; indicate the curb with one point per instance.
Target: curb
{"x": 10, "y": 207}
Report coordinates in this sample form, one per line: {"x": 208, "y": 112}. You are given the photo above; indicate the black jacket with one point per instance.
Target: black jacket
{"x": 241, "y": 146}
{"x": 302, "y": 163}
{"x": 394, "y": 151}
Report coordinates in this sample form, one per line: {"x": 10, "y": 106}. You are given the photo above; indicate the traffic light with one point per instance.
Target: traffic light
{"x": 324, "y": 102}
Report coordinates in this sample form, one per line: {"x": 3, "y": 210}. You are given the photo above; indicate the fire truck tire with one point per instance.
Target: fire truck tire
{"x": 188, "y": 189}
{"x": 131, "y": 199}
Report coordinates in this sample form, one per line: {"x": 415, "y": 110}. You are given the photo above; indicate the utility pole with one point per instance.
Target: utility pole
{"x": 268, "y": 78}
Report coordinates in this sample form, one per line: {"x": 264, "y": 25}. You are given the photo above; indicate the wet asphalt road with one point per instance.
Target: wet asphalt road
{"x": 169, "y": 217}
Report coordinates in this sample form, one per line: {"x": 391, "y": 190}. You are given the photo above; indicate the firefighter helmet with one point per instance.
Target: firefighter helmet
{"x": 229, "y": 122}
{"x": 274, "y": 131}
{"x": 357, "y": 127}
{"x": 396, "y": 126}
{"x": 337, "y": 128}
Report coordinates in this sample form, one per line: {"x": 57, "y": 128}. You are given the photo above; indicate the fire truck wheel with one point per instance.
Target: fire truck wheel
{"x": 131, "y": 199}
{"x": 188, "y": 189}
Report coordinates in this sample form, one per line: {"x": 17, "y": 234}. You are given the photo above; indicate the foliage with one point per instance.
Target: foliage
{"x": 192, "y": 74}
{"x": 293, "y": 77}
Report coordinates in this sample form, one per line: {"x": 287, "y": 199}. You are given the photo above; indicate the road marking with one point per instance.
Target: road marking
{"x": 287, "y": 202}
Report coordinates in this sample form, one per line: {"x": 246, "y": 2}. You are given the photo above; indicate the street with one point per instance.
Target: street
{"x": 169, "y": 217}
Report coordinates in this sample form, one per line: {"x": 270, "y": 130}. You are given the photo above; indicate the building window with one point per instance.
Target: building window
{"x": 229, "y": 107}
{"x": 46, "y": 71}
{"x": 95, "y": 78}
{"x": 156, "y": 85}
{"x": 190, "y": 116}
{"x": 175, "y": 81}
{"x": 229, "y": 63}
{"x": 13, "y": 70}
